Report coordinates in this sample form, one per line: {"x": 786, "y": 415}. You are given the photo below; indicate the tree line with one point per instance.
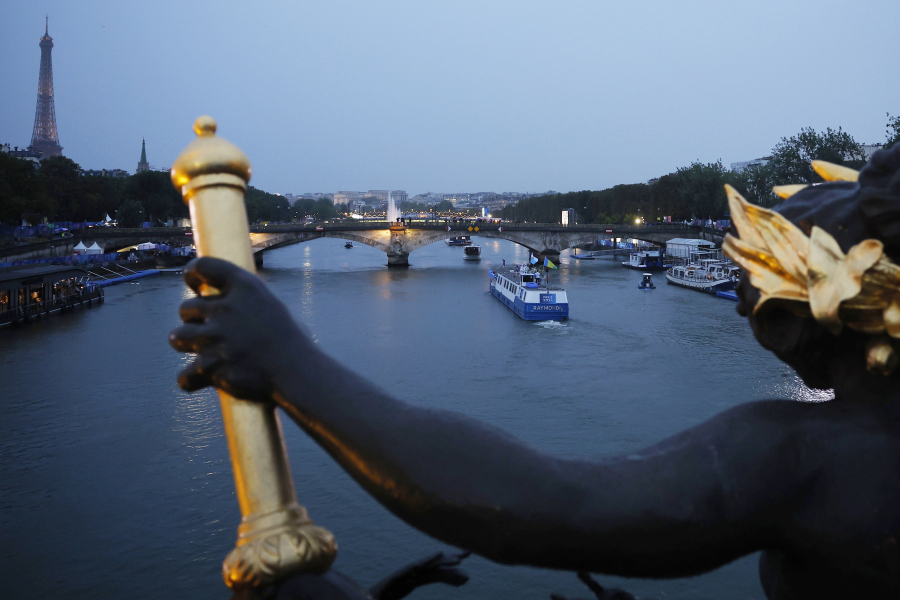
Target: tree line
{"x": 58, "y": 192}
{"x": 695, "y": 191}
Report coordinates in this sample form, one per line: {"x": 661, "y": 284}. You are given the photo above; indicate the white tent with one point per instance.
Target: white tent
{"x": 80, "y": 248}
{"x": 146, "y": 246}
{"x": 95, "y": 249}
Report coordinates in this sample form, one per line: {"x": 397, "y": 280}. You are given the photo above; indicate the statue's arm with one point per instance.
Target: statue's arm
{"x": 686, "y": 505}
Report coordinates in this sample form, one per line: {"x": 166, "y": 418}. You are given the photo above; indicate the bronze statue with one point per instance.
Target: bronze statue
{"x": 816, "y": 487}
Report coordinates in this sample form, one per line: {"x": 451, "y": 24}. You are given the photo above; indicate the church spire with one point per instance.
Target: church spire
{"x": 143, "y": 166}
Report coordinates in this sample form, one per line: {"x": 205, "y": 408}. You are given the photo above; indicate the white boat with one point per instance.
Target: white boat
{"x": 460, "y": 240}
{"x": 472, "y": 253}
{"x": 523, "y": 290}
{"x": 646, "y": 260}
{"x": 709, "y": 275}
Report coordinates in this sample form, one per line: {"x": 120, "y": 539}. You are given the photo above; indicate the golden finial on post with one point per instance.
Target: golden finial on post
{"x": 275, "y": 537}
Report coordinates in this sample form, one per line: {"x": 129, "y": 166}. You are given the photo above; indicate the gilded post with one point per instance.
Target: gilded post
{"x": 276, "y": 536}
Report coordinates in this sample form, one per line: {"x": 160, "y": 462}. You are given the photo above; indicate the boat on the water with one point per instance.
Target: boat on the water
{"x": 460, "y": 240}
{"x": 646, "y": 260}
{"x": 709, "y": 275}
{"x": 582, "y": 256}
{"x": 472, "y": 253}
{"x": 524, "y": 291}
{"x": 647, "y": 282}
{"x": 348, "y": 245}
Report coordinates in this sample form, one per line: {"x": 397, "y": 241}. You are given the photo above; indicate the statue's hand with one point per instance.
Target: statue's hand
{"x": 439, "y": 568}
{"x": 241, "y": 335}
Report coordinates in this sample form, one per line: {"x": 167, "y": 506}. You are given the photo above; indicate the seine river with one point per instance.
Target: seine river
{"x": 116, "y": 484}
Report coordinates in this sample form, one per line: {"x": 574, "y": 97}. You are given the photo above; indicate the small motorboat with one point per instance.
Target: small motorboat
{"x": 348, "y": 245}
{"x": 646, "y": 283}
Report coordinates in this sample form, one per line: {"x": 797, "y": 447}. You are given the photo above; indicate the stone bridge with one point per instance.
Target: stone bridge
{"x": 396, "y": 242}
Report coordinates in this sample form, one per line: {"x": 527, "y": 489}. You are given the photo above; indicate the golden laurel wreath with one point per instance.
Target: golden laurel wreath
{"x": 811, "y": 275}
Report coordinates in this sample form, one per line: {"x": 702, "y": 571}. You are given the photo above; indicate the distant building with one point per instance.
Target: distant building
{"x": 143, "y": 165}
{"x": 382, "y": 195}
{"x": 399, "y": 196}
{"x": 455, "y": 199}
{"x": 756, "y": 162}
{"x": 346, "y": 197}
{"x": 870, "y": 149}
{"x": 428, "y": 198}
{"x": 30, "y": 155}
{"x": 104, "y": 173}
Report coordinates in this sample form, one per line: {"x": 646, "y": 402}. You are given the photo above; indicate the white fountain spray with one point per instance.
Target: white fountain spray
{"x": 393, "y": 213}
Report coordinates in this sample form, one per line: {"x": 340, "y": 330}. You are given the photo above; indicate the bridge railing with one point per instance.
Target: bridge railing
{"x": 462, "y": 226}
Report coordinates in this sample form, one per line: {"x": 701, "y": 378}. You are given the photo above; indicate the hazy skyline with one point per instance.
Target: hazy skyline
{"x": 461, "y": 96}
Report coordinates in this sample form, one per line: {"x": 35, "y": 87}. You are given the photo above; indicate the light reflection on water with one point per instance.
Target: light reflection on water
{"x": 110, "y": 470}
{"x": 793, "y": 388}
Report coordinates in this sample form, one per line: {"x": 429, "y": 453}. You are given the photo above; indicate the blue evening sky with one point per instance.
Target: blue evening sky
{"x": 455, "y": 95}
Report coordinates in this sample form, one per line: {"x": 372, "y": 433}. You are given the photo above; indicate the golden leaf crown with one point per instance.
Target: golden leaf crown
{"x": 811, "y": 275}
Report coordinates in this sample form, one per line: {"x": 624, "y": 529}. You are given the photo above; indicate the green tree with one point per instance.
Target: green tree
{"x": 755, "y": 183}
{"x": 791, "y": 157}
{"x": 130, "y": 214}
{"x": 22, "y": 193}
{"x": 155, "y": 192}
{"x": 62, "y": 180}
{"x": 323, "y": 209}
{"x": 701, "y": 187}
{"x": 263, "y": 206}
{"x": 893, "y": 131}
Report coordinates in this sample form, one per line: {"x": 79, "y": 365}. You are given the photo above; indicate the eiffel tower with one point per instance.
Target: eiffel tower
{"x": 44, "y": 138}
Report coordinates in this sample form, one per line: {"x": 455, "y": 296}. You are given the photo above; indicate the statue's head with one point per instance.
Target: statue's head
{"x": 820, "y": 276}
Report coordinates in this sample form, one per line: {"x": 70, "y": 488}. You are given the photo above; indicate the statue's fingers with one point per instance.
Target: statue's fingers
{"x": 193, "y": 337}
{"x": 197, "y": 375}
{"x": 245, "y": 384}
{"x": 210, "y": 271}
{"x": 194, "y": 310}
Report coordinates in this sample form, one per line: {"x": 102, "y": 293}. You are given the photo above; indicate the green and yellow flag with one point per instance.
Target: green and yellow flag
{"x": 548, "y": 264}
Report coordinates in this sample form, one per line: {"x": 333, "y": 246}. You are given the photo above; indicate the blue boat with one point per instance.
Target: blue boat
{"x": 523, "y": 290}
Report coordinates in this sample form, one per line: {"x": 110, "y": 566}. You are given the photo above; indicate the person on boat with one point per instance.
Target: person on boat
{"x": 815, "y": 487}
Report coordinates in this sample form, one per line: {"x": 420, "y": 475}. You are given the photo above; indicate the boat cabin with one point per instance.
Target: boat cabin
{"x": 28, "y": 293}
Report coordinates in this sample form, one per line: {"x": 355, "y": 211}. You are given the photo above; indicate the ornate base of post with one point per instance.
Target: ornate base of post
{"x": 398, "y": 260}
{"x": 275, "y": 545}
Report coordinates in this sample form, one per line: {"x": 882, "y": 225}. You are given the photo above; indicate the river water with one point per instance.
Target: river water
{"x": 117, "y": 484}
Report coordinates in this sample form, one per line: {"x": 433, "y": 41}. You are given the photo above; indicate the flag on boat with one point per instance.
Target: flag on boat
{"x": 548, "y": 264}
{"x": 533, "y": 259}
